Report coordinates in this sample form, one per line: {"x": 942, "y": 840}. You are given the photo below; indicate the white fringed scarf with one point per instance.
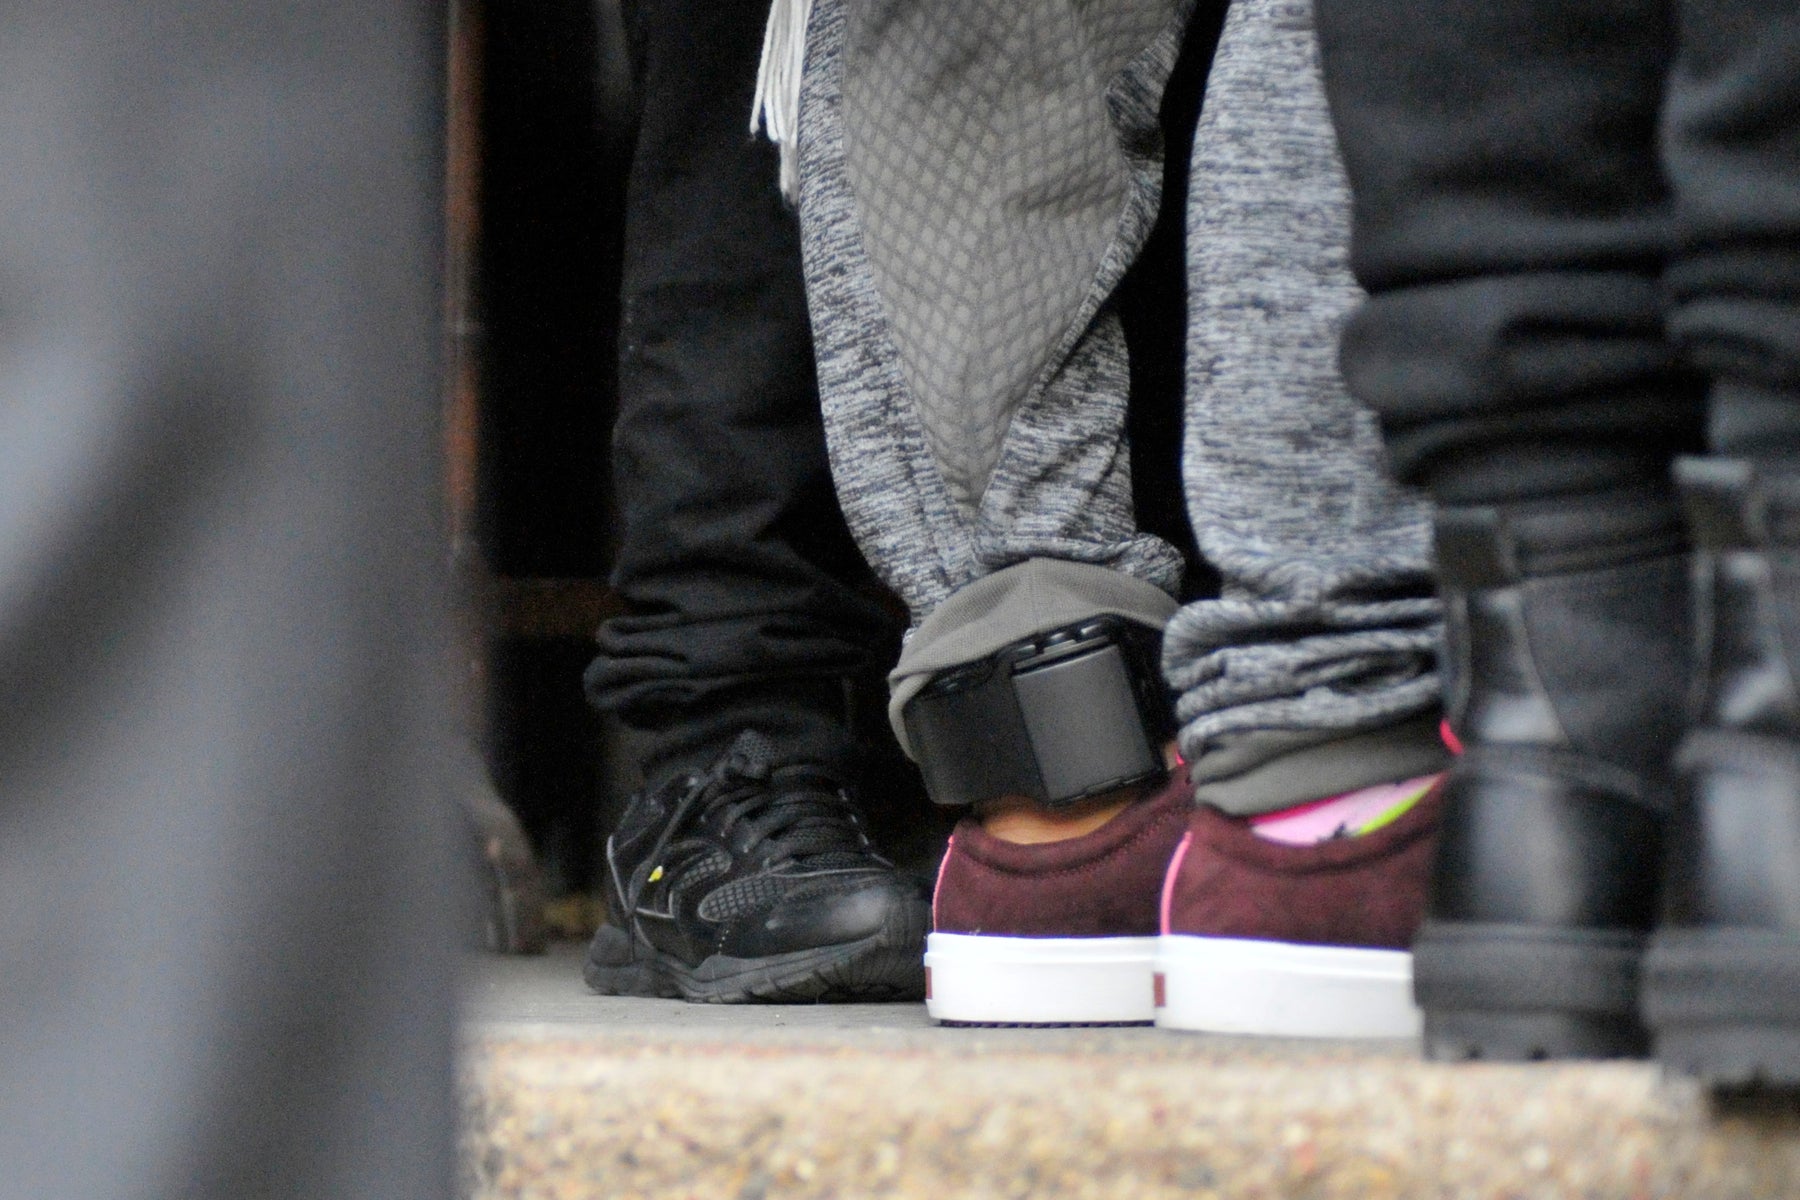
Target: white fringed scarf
{"x": 775, "y": 109}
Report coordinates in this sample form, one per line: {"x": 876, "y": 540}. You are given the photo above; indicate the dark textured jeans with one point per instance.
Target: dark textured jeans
{"x": 1575, "y": 219}
{"x": 733, "y": 558}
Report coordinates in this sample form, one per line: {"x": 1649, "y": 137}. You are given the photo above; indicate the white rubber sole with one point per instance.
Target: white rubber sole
{"x": 983, "y": 980}
{"x": 1280, "y": 989}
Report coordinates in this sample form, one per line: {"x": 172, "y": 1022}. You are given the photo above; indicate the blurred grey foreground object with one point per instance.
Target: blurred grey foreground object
{"x": 226, "y": 913}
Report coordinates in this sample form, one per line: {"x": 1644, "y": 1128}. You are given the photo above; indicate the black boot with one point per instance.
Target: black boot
{"x": 1566, "y": 676}
{"x": 1722, "y": 980}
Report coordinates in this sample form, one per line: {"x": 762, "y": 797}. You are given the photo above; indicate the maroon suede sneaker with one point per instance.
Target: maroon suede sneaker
{"x": 1261, "y": 937}
{"x": 1057, "y": 933}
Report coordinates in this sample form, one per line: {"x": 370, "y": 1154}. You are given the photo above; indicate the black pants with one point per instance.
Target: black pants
{"x": 226, "y": 966}
{"x": 1576, "y": 220}
{"x": 733, "y": 557}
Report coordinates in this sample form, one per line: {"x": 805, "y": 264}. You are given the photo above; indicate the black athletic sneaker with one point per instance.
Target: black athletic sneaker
{"x": 755, "y": 882}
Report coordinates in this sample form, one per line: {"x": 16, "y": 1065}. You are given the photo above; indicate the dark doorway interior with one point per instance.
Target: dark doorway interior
{"x": 552, "y": 136}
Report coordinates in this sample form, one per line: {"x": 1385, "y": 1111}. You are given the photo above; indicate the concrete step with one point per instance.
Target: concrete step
{"x": 571, "y": 1095}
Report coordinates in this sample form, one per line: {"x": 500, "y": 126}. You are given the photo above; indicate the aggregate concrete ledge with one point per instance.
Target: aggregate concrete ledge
{"x": 568, "y": 1095}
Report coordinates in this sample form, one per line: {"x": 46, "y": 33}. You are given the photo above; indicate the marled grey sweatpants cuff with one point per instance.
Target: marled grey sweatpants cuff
{"x": 931, "y": 518}
{"x": 1267, "y": 770}
{"x": 1326, "y": 623}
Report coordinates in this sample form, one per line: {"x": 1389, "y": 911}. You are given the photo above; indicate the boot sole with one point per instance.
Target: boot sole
{"x": 1724, "y": 1005}
{"x": 1522, "y": 993}
{"x": 885, "y": 966}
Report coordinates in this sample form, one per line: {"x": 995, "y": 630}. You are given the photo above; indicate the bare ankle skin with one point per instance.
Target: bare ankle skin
{"x": 1022, "y": 820}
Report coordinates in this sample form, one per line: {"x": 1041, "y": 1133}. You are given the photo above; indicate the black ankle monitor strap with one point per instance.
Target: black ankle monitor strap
{"x": 1057, "y": 717}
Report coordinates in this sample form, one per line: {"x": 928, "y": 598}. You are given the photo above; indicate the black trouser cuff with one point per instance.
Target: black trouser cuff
{"x": 806, "y": 720}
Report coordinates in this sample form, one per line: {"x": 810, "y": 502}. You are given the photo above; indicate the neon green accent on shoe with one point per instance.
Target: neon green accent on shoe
{"x": 1389, "y": 816}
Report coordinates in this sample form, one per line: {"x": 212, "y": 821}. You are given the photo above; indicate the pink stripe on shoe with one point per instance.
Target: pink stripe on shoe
{"x": 1168, "y": 887}
{"x": 937, "y": 888}
{"x": 1344, "y": 815}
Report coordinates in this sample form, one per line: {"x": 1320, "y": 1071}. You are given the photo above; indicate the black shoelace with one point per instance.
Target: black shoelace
{"x": 819, "y": 825}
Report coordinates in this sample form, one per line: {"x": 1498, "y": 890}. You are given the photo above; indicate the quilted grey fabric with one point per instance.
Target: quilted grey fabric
{"x": 1062, "y": 486}
{"x": 990, "y": 178}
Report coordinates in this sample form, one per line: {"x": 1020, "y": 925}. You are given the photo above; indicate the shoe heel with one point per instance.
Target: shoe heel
{"x": 1464, "y": 1035}
{"x": 611, "y": 968}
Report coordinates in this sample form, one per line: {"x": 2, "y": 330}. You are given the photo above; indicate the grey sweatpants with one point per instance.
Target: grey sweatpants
{"x": 975, "y": 180}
